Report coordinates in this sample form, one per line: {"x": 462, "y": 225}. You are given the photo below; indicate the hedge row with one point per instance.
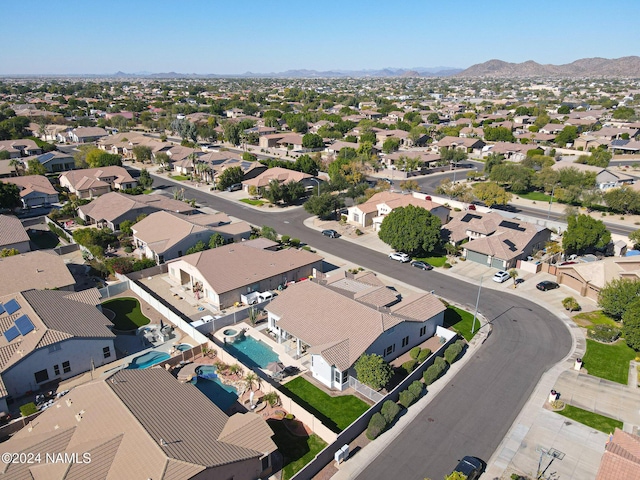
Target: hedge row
{"x": 432, "y": 373}
{"x": 381, "y": 420}
{"x": 59, "y": 232}
{"x": 453, "y": 351}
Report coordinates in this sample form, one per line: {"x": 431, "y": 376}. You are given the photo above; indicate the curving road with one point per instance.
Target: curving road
{"x": 474, "y": 411}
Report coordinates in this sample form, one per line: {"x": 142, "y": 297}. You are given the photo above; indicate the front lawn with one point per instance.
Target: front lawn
{"x": 460, "y": 321}
{"x": 296, "y": 451}
{"x": 589, "y": 319}
{"x": 610, "y": 362}
{"x": 536, "y": 196}
{"x": 179, "y": 178}
{"x": 591, "y": 419}
{"x": 129, "y": 316}
{"x": 337, "y": 413}
{"x": 437, "y": 261}
{"x": 251, "y": 201}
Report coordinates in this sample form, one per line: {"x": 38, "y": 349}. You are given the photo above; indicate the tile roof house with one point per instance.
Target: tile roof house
{"x": 13, "y": 234}
{"x": 50, "y": 335}
{"x": 469, "y": 145}
{"x": 163, "y": 236}
{"x": 339, "y": 320}
{"x": 246, "y": 269}
{"x": 605, "y": 178}
{"x": 93, "y": 182}
{"x": 621, "y": 458}
{"x": 373, "y": 211}
{"x": 113, "y": 208}
{"x": 87, "y": 134}
{"x": 282, "y": 175}
{"x": 56, "y": 161}
{"x": 40, "y": 269}
{"x": 35, "y": 190}
{"x": 143, "y": 424}
{"x": 20, "y": 148}
{"x": 494, "y": 240}
{"x": 514, "y": 152}
{"x": 589, "y": 278}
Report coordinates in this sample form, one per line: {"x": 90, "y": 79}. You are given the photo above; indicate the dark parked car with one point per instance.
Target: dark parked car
{"x": 547, "y": 285}
{"x": 421, "y": 265}
{"x": 330, "y": 233}
{"x": 471, "y": 467}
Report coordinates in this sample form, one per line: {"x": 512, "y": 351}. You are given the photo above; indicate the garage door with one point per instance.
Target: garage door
{"x": 477, "y": 257}
{"x": 497, "y": 263}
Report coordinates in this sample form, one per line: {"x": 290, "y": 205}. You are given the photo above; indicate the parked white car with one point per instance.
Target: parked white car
{"x": 501, "y": 276}
{"x": 400, "y": 257}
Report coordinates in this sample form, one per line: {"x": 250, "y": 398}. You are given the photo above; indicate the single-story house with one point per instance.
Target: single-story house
{"x": 113, "y": 208}
{"x": 163, "y": 236}
{"x": 35, "y": 190}
{"x": 87, "y": 134}
{"x": 605, "y": 178}
{"x": 468, "y": 145}
{"x": 589, "y": 278}
{"x": 494, "y": 240}
{"x": 625, "y": 146}
{"x": 246, "y": 269}
{"x": 7, "y": 169}
{"x": 143, "y": 424}
{"x": 282, "y": 175}
{"x": 40, "y": 269}
{"x": 56, "y": 161}
{"x": 514, "y": 152}
{"x": 249, "y": 169}
{"x": 24, "y": 147}
{"x": 373, "y": 211}
{"x": 332, "y": 324}
{"x": 50, "y": 335}
{"x": 93, "y": 182}
{"x": 13, "y": 234}
{"x": 281, "y": 140}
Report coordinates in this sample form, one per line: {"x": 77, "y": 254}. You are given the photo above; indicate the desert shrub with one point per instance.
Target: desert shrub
{"x": 571, "y": 304}
{"x": 409, "y": 365}
{"x": 432, "y": 373}
{"x": 295, "y": 242}
{"x": 604, "y": 333}
{"x": 28, "y": 409}
{"x": 390, "y": 410}
{"x": 416, "y": 388}
{"x": 446, "y": 265}
{"x": 424, "y": 354}
{"x": 406, "y": 398}
{"x": 285, "y": 239}
{"x": 452, "y": 353}
{"x": 358, "y": 232}
{"x": 376, "y": 426}
{"x": 414, "y": 352}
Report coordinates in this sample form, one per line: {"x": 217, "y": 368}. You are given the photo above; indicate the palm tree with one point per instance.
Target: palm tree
{"x": 251, "y": 380}
{"x": 513, "y": 273}
{"x": 18, "y": 165}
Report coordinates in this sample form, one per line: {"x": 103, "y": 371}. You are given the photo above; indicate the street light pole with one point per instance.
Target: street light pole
{"x": 551, "y": 200}
{"x": 475, "y": 314}
{"x": 318, "y": 182}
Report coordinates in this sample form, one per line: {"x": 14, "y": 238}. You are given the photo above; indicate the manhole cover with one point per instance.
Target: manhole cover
{"x": 430, "y": 420}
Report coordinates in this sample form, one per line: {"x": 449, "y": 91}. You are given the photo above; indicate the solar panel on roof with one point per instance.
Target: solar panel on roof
{"x": 512, "y": 225}
{"x": 1, "y": 309}
{"x": 12, "y": 306}
{"x": 24, "y": 324}
{"x": 11, "y": 334}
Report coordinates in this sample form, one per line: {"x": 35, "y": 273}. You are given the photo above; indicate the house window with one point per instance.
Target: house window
{"x": 66, "y": 367}
{"x": 336, "y": 376}
{"x": 423, "y": 330}
{"x": 106, "y": 351}
{"x": 405, "y": 341}
{"x": 42, "y": 376}
{"x": 356, "y": 217}
{"x": 116, "y": 227}
{"x": 390, "y": 349}
{"x": 55, "y": 347}
{"x": 56, "y": 369}
{"x": 345, "y": 377}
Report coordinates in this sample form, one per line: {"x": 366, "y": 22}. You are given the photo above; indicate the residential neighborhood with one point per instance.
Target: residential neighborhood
{"x": 316, "y": 276}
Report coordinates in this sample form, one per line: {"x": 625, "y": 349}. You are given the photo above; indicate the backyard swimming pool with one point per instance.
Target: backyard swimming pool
{"x": 183, "y": 347}
{"x": 222, "y": 395}
{"x": 251, "y": 352}
{"x": 148, "y": 359}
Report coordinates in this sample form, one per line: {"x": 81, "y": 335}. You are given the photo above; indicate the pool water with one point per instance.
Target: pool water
{"x": 183, "y": 347}
{"x": 148, "y": 359}
{"x": 251, "y": 352}
{"x": 222, "y": 395}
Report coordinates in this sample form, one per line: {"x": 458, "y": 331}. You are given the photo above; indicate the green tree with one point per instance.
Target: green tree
{"x": 9, "y": 196}
{"x": 216, "y": 240}
{"x": 491, "y": 161}
{"x": 584, "y": 232}
{"x": 324, "y": 206}
{"x": 372, "y": 370}
{"x": 269, "y": 233}
{"x": 617, "y": 295}
{"x": 307, "y": 164}
{"x": 125, "y": 227}
{"x": 433, "y": 118}
{"x": 635, "y": 238}
{"x": 228, "y": 177}
{"x": 142, "y": 153}
{"x": 564, "y": 110}
{"x": 456, "y": 476}
{"x": 599, "y": 158}
{"x": 145, "y": 180}
{"x": 411, "y": 229}
{"x": 292, "y": 191}
{"x": 34, "y": 167}
{"x": 273, "y": 192}
{"x": 232, "y": 132}
{"x": 624, "y": 113}
{"x": 567, "y": 135}
{"x": 515, "y": 176}
{"x": 491, "y": 194}
{"x": 9, "y": 252}
{"x": 368, "y": 136}
{"x": 631, "y": 324}
{"x": 312, "y": 140}
{"x": 198, "y": 247}
{"x": 391, "y": 144}
{"x": 163, "y": 159}
{"x": 622, "y": 200}
{"x": 498, "y": 134}
{"x": 96, "y": 158}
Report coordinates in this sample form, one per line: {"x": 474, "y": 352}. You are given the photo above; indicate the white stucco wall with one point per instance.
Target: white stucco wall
{"x": 321, "y": 370}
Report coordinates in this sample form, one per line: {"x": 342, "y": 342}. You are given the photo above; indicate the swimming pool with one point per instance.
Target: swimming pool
{"x": 222, "y": 395}
{"x": 251, "y": 352}
{"x": 148, "y": 359}
{"x": 183, "y": 347}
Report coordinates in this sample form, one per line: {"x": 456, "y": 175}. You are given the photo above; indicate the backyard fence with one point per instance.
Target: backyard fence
{"x": 365, "y": 390}
{"x": 360, "y": 425}
{"x": 114, "y": 289}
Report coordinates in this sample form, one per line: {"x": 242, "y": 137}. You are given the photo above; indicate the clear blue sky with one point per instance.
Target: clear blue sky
{"x": 236, "y": 36}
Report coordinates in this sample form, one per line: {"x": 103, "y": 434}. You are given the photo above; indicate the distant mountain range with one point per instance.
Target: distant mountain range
{"x": 585, "y": 67}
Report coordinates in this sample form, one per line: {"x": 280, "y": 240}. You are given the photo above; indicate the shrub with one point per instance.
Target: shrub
{"x": 406, "y": 398}
{"x": 571, "y": 304}
{"x": 424, "y": 354}
{"x": 410, "y": 365}
{"x": 376, "y": 426}
{"x": 446, "y": 265}
{"x": 358, "y": 232}
{"x": 28, "y": 409}
{"x": 285, "y": 239}
{"x": 289, "y": 416}
{"x": 452, "y": 352}
{"x": 128, "y": 249}
{"x": 604, "y": 333}
{"x": 295, "y": 242}
{"x": 416, "y": 388}
{"x": 390, "y": 410}
{"x": 414, "y": 352}
{"x": 432, "y": 373}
